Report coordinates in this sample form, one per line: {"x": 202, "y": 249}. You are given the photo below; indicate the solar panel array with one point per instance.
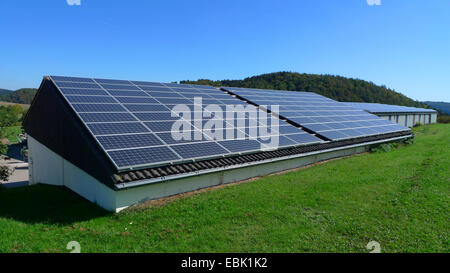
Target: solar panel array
{"x": 133, "y": 121}
{"x": 331, "y": 119}
{"x": 386, "y": 108}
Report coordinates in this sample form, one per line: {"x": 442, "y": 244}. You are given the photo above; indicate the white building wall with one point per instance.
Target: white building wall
{"x": 88, "y": 187}
{"x": 47, "y": 167}
{"x": 433, "y": 118}
{"x": 131, "y": 196}
{"x": 409, "y": 122}
{"x": 401, "y": 119}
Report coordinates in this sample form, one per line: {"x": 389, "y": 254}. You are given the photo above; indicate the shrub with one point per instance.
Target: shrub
{"x": 387, "y": 147}
{"x": 443, "y": 119}
{"x": 5, "y": 173}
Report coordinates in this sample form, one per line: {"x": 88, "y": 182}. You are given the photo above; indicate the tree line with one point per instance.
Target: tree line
{"x": 334, "y": 87}
{"x": 21, "y": 96}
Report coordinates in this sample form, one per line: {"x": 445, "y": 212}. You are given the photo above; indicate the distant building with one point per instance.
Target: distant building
{"x": 403, "y": 115}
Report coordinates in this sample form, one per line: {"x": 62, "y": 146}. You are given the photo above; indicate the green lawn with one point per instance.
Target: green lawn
{"x": 399, "y": 198}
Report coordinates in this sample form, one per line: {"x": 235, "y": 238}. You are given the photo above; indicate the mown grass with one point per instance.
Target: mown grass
{"x": 398, "y": 198}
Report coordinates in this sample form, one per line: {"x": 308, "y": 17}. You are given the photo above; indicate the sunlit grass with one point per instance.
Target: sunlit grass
{"x": 398, "y": 198}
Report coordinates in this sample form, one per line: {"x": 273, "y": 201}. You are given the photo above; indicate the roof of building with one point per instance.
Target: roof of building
{"x": 121, "y": 131}
{"x": 387, "y": 108}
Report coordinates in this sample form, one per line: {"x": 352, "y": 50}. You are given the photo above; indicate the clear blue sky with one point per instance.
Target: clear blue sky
{"x": 403, "y": 44}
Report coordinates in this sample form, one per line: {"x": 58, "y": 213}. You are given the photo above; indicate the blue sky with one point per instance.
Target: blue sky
{"x": 403, "y": 44}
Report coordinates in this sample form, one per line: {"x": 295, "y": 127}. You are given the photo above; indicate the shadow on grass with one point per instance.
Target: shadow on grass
{"x": 46, "y": 204}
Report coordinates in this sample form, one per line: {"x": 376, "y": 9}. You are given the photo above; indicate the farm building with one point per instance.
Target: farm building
{"x": 115, "y": 143}
{"x": 403, "y": 115}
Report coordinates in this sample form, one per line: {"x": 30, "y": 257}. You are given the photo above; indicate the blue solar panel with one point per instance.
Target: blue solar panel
{"x": 137, "y": 100}
{"x": 140, "y": 83}
{"x": 239, "y": 146}
{"x": 196, "y": 150}
{"x": 119, "y": 87}
{"x": 78, "y": 91}
{"x": 116, "y": 128}
{"x": 128, "y": 93}
{"x": 106, "y": 117}
{"x": 156, "y": 89}
{"x": 143, "y": 156}
{"x": 71, "y": 79}
{"x": 77, "y": 85}
{"x": 90, "y": 99}
{"x": 98, "y": 108}
{"x": 146, "y": 107}
{"x": 302, "y": 138}
{"x": 164, "y": 94}
{"x": 156, "y": 116}
{"x": 106, "y": 81}
{"x": 160, "y": 126}
{"x": 328, "y": 118}
{"x": 133, "y": 121}
{"x": 168, "y": 138}
{"x": 129, "y": 141}
{"x": 386, "y": 108}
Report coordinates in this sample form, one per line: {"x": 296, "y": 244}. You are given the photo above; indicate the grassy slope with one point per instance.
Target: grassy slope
{"x": 399, "y": 198}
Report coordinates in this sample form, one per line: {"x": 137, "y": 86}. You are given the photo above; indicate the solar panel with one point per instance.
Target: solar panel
{"x": 133, "y": 122}
{"x": 331, "y": 119}
{"x": 386, "y": 108}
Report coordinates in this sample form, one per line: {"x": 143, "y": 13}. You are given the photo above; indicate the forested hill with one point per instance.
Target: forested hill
{"x": 334, "y": 87}
{"x": 4, "y": 91}
{"x": 441, "y": 106}
{"x": 21, "y": 96}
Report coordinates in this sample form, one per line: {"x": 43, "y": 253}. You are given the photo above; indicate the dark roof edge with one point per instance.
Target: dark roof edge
{"x": 161, "y": 174}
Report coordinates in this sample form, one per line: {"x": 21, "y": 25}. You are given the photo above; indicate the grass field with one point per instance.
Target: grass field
{"x": 5, "y": 103}
{"x": 12, "y": 133}
{"x": 399, "y": 198}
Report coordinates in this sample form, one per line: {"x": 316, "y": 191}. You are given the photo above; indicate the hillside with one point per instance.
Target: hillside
{"x": 335, "y": 87}
{"x": 4, "y": 91}
{"x": 439, "y": 105}
{"x": 20, "y": 96}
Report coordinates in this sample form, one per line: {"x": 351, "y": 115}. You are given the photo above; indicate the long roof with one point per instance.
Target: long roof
{"x": 120, "y": 131}
{"x": 387, "y": 108}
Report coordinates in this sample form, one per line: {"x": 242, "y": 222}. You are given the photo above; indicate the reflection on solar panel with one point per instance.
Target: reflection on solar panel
{"x": 133, "y": 122}
{"x": 331, "y": 119}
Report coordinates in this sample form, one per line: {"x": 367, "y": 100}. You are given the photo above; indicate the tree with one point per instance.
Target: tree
{"x": 334, "y": 87}
{"x": 5, "y": 173}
